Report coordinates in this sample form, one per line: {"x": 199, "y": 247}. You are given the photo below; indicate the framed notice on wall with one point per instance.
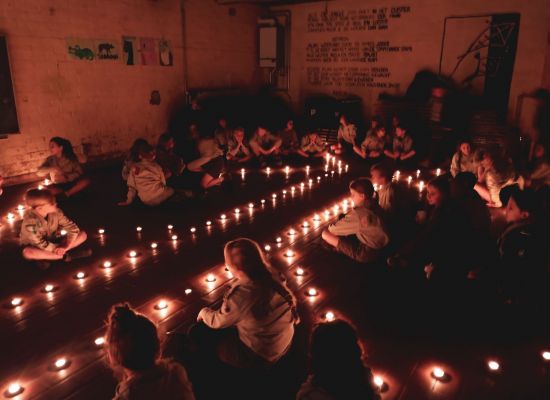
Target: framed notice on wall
{"x": 8, "y": 113}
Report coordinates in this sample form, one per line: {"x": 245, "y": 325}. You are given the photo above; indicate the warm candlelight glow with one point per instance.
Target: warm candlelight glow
{"x": 318, "y": 178}
{"x": 107, "y": 264}
{"x": 493, "y": 365}
{"x": 546, "y": 355}
{"x": 63, "y": 232}
{"x": 100, "y": 341}
{"x": 305, "y": 224}
{"x": 312, "y": 292}
{"x": 274, "y": 195}
{"x": 299, "y": 272}
{"x": 170, "y": 227}
{"x": 154, "y": 245}
{"x": 284, "y": 192}
{"x": 438, "y": 172}
{"x": 421, "y": 186}
{"x": 237, "y": 211}
{"x": 292, "y": 232}
{"x": 161, "y": 305}
{"x": 267, "y": 247}
{"x": 378, "y": 381}
{"x": 262, "y": 201}
{"x": 438, "y": 373}
{"x": 101, "y": 231}
{"x": 20, "y": 207}
{"x": 14, "y": 389}
{"x": 289, "y": 253}
{"x": 188, "y": 291}
{"x": 418, "y": 173}
{"x": 279, "y": 240}
{"x": 60, "y": 363}
{"x": 210, "y": 278}
{"x": 409, "y": 180}
{"x": 10, "y": 216}
{"x": 40, "y": 187}
{"x": 250, "y": 205}
{"x": 48, "y": 288}
{"x": 80, "y": 275}
{"x": 132, "y": 254}
{"x": 223, "y": 217}
{"x": 292, "y": 189}
{"x": 16, "y": 301}
{"x": 174, "y": 237}
{"x": 329, "y": 316}
{"x": 139, "y": 228}
{"x": 302, "y": 184}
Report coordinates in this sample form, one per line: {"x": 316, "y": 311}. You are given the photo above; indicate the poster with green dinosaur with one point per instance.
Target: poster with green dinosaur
{"x": 81, "y": 49}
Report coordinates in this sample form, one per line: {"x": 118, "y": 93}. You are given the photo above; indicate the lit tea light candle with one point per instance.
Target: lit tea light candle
{"x": 292, "y": 189}
{"x": 332, "y": 173}
{"x": 438, "y": 172}
{"x": 318, "y": 179}
{"x": 289, "y": 253}
{"x": 250, "y": 205}
{"x": 193, "y": 229}
{"x": 267, "y": 247}
{"x": 300, "y": 272}
{"x": 327, "y": 213}
{"x": 421, "y": 186}
{"x": 49, "y": 288}
{"x": 99, "y": 341}
{"x": 80, "y": 275}
{"x": 316, "y": 218}
{"x": 347, "y": 167}
{"x": 493, "y": 365}
{"x": 10, "y": 216}
{"x": 268, "y": 171}
{"x": 229, "y": 274}
{"x": 13, "y": 390}
{"x": 63, "y": 232}
{"x": 287, "y": 169}
{"x": 154, "y": 245}
{"x": 139, "y": 228}
{"x": 188, "y": 291}
{"x": 307, "y": 169}
{"x": 210, "y": 278}
{"x": 546, "y": 355}
{"x": 312, "y": 292}
{"x": 170, "y": 227}
{"x": 305, "y": 224}
{"x": 284, "y": 192}
{"x": 161, "y": 305}
{"x": 302, "y": 185}
{"x": 438, "y": 373}
{"x": 262, "y": 201}
{"x": 378, "y": 382}
{"x": 101, "y": 231}
{"x": 409, "y": 180}
{"x": 310, "y": 182}
{"x": 279, "y": 240}
{"x": 20, "y": 207}
{"x": 336, "y": 208}
{"x": 237, "y": 211}
{"x": 60, "y": 363}
{"x": 291, "y": 232}
{"x": 223, "y": 217}
{"x": 274, "y": 195}
{"x": 132, "y": 254}
{"x": 242, "y": 171}
{"x": 208, "y": 223}
{"x": 107, "y": 264}
{"x": 339, "y": 163}
{"x": 16, "y": 301}
{"x": 40, "y": 187}
{"x": 397, "y": 175}
{"x": 329, "y": 316}
{"x": 46, "y": 182}
{"x": 174, "y": 237}
{"x": 326, "y": 167}
{"x": 417, "y": 173}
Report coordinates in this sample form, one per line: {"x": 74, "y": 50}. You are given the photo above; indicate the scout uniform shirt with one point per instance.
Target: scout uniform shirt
{"x": 373, "y": 143}
{"x": 39, "y": 232}
{"x": 289, "y": 139}
{"x": 265, "y": 141}
{"x": 147, "y": 181}
{"x": 316, "y": 145}
{"x": 402, "y": 145}
{"x": 462, "y": 163}
{"x": 61, "y": 169}
{"x": 347, "y": 133}
{"x": 238, "y": 150}
{"x": 269, "y": 337}
{"x": 366, "y": 224}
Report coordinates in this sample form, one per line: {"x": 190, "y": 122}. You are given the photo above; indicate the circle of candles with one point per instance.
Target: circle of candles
{"x": 210, "y": 278}
{"x": 299, "y": 272}
{"x": 493, "y": 365}
{"x": 16, "y": 301}
{"x": 80, "y": 275}
{"x": 546, "y": 355}
{"x": 438, "y": 373}
{"x": 279, "y": 240}
{"x": 161, "y": 305}
{"x": 223, "y": 217}
{"x": 132, "y": 254}
{"x": 193, "y": 230}
{"x": 13, "y": 390}
{"x": 154, "y": 245}
{"x": 101, "y": 231}
{"x": 305, "y": 224}
{"x": 312, "y": 292}
{"x": 208, "y": 223}
{"x": 49, "y": 288}
{"x": 174, "y": 237}
{"x": 139, "y": 228}
{"x": 329, "y": 316}
{"x": 289, "y": 253}
{"x": 99, "y": 341}
{"x": 60, "y": 363}
{"x": 267, "y": 247}
{"x": 170, "y": 227}
{"x": 188, "y": 291}
{"x": 107, "y": 264}
{"x": 274, "y": 195}
{"x": 292, "y": 232}
{"x": 250, "y": 205}
{"x": 237, "y": 211}
{"x": 262, "y": 201}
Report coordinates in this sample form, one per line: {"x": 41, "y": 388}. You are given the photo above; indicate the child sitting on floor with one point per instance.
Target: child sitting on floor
{"x": 464, "y": 159}
{"x": 337, "y": 367}
{"x": 238, "y": 149}
{"x": 374, "y": 144}
{"x": 347, "y": 136}
{"x": 312, "y": 145}
{"x": 289, "y": 139}
{"x": 132, "y": 346}
{"x": 539, "y": 175}
{"x": 402, "y": 146}
{"x": 147, "y": 180}
{"x": 266, "y": 146}
{"x": 222, "y": 133}
{"x": 63, "y": 168}
{"x": 497, "y": 172}
{"x": 361, "y": 234}
{"x": 47, "y": 233}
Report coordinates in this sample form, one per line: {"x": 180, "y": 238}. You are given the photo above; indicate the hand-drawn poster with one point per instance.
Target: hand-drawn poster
{"x": 129, "y": 50}
{"x": 165, "y": 53}
{"x": 80, "y": 49}
{"x": 148, "y": 51}
{"x": 107, "y": 50}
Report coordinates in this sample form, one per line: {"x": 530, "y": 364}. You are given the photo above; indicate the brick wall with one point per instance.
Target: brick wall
{"x": 104, "y": 105}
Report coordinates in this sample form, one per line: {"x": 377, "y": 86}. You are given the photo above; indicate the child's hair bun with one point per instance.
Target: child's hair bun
{"x": 124, "y": 314}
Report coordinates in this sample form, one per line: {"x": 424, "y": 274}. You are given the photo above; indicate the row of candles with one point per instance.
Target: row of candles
{"x": 437, "y": 372}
